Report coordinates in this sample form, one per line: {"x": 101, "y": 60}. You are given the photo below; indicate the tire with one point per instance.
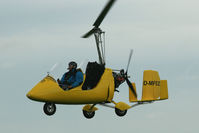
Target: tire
{"x": 89, "y": 115}
{"x": 120, "y": 112}
{"x": 49, "y": 108}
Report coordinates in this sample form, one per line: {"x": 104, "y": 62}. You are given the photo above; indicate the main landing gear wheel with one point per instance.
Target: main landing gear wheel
{"x": 89, "y": 114}
{"x": 120, "y": 112}
{"x": 49, "y": 108}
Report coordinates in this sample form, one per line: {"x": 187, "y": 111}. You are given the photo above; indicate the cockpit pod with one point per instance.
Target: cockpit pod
{"x": 48, "y": 90}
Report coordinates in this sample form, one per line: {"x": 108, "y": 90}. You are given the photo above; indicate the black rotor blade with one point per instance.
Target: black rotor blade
{"x": 131, "y": 86}
{"x": 89, "y": 33}
{"x": 130, "y": 55}
{"x": 103, "y": 13}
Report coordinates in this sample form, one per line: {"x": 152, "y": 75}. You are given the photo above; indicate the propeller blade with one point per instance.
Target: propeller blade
{"x": 131, "y": 86}
{"x": 103, "y": 13}
{"x": 130, "y": 55}
{"x": 88, "y": 34}
{"x": 53, "y": 67}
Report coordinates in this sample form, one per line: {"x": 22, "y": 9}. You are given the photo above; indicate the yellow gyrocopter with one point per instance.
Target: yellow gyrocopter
{"x": 99, "y": 83}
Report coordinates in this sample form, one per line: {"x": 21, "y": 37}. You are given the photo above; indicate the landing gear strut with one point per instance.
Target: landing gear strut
{"x": 49, "y": 108}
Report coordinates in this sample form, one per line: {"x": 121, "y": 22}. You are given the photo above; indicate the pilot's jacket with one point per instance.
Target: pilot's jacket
{"x": 73, "y": 78}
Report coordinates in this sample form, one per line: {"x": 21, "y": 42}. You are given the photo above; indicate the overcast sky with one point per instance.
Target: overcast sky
{"x": 34, "y": 35}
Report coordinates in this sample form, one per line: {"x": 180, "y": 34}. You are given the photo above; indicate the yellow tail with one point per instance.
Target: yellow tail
{"x": 153, "y": 88}
{"x": 164, "y": 90}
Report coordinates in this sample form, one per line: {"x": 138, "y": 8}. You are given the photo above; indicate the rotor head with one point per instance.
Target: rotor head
{"x": 100, "y": 18}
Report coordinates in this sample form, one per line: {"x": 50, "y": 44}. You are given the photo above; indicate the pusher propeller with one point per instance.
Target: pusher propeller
{"x": 99, "y": 19}
{"x": 130, "y": 86}
{"x": 123, "y": 76}
{"x": 130, "y": 55}
{"x": 126, "y": 75}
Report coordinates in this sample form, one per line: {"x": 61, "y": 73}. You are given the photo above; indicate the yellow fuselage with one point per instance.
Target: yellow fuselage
{"x": 48, "y": 90}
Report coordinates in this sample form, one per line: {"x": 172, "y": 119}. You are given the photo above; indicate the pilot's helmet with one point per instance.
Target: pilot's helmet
{"x": 73, "y": 64}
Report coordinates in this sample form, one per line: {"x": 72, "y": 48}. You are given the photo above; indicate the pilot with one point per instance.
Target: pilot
{"x": 72, "y": 78}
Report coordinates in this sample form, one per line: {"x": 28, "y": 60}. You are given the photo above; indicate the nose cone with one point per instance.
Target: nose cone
{"x": 38, "y": 92}
{"x": 29, "y": 95}
{"x": 44, "y": 90}
{"x": 33, "y": 95}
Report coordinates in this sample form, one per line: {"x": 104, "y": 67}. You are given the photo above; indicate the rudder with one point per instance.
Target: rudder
{"x": 164, "y": 90}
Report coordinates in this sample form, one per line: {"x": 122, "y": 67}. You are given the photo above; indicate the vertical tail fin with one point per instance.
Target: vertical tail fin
{"x": 153, "y": 88}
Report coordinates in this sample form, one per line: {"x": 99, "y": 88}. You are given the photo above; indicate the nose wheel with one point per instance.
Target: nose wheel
{"x": 49, "y": 108}
{"x": 88, "y": 114}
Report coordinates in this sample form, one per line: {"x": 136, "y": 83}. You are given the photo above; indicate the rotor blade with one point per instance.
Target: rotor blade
{"x": 131, "y": 86}
{"x": 88, "y": 34}
{"x": 130, "y": 55}
{"x": 103, "y": 13}
{"x": 53, "y": 67}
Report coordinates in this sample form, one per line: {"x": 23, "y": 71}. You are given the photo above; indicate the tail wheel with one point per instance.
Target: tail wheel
{"x": 88, "y": 115}
{"x": 120, "y": 112}
{"x": 49, "y": 108}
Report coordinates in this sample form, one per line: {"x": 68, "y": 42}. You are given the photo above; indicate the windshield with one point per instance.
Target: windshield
{"x": 57, "y": 70}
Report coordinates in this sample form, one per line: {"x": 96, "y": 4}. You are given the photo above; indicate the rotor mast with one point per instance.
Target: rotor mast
{"x": 98, "y": 32}
{"x": 100, "y": 46}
